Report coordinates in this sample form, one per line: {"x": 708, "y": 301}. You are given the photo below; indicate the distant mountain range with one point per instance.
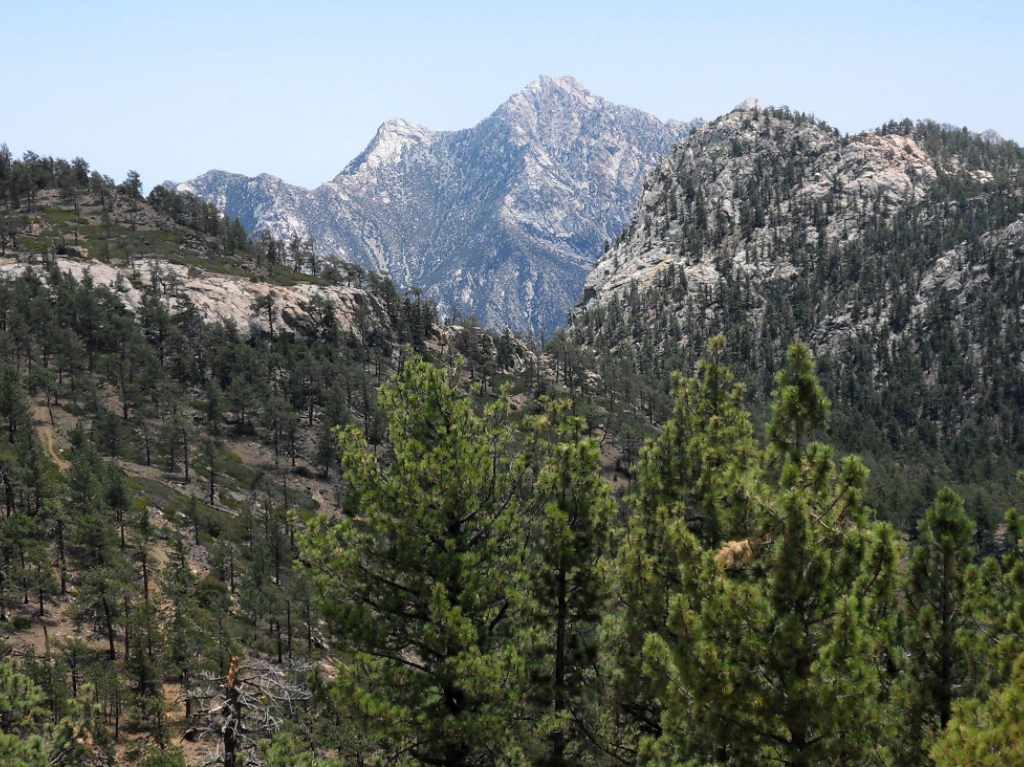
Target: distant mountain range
{"x": 502, "y": 221}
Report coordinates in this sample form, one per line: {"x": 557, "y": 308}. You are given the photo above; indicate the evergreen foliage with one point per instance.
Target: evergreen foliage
{"x": 561, "y": 564}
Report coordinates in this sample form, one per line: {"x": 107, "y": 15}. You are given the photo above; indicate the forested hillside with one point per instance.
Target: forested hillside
{"x": 256, "y": 515}
{"x": 169, "y": 390}
{"x": 897, "y": 255}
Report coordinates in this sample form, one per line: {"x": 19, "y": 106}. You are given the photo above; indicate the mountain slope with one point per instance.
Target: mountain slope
{"x": 501, "y": 220}
{"x": 897, "y": 254}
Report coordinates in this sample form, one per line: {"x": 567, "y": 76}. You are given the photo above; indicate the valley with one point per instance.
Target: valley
{"x": 283, "y": 485}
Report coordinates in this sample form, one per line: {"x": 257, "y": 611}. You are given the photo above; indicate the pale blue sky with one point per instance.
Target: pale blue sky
{"x": 298, "y": 88}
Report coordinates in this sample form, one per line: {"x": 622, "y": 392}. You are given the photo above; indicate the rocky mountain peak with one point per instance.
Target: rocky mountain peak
{"x": 566, "y": 83}
{"x": 501, "y": 220}
{"x": 748, "y": 180}
{"x": 547, "y": 98}
{"x": 392, "y": 138}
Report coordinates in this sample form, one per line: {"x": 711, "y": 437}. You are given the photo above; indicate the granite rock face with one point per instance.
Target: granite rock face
{"x": 502, "y": 220}
{"x": 222, "y": 298}
{"x": 896, "y": 255}
{"x": 759, "y": 199}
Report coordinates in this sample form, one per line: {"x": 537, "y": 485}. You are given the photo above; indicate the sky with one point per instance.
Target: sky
{"x": 298, "y": 88}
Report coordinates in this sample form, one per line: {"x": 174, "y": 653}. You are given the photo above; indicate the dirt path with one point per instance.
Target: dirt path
{"x": 46, "y": 432}
{"x": 56, "y": 626}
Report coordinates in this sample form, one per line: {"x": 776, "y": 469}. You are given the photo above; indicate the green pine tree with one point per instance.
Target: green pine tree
{"x": 771, "y": 653}
{"x": 694, "y": 482}
{"x": 938, "y": 611}
{"x": 416, "y": 580}
{"x": 566, "y": 540}
{"x": 995, "y": 594}
{"x": 987, "y": 733}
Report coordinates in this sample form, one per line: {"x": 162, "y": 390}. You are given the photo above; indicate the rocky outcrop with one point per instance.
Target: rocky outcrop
{"x": 222, "y": 298}
{"x": 709, "y": 188}
{"x": 897, "y": 255}
{"x": 502, "y": 220}
{"x": 762, "y": 197}
{"x": 299, "y": 309}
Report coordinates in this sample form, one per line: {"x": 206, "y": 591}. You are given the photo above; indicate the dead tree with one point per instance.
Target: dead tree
{"x": 248, "y": 705}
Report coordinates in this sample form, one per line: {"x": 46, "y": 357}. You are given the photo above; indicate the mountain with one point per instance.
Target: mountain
{"x": 502, "y": 220}
{"x": 238, "y": 511}
{"x": 897, "y": 254}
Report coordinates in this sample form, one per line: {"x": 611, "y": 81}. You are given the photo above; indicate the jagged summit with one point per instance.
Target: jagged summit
{"x": 565, "y": 83}
{"x": 549, "y": 97}
{"x": 501, "y": 220}
{"x": 391, "y": 139}
{"x": 724, "y": 166}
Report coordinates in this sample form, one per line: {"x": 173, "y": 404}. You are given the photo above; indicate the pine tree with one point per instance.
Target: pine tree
{"x": 100, "y": 560}
{"x": 986, "y": 733}
{"x": 937, "y": 614}
{"x": 799, "y": 405}
{"x": 566, "y": 541}
{"x": 995, "y": 596}
{"x": 771, "y": 652}
{"x": 415, "y": 581}
{"x": 186, "y": 625}
{"x": 694, "y": 479}
{"x": 29, "y": 738}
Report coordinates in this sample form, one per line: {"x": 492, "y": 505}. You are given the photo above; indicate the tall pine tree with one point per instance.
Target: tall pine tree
{"x": 416, "y": 580}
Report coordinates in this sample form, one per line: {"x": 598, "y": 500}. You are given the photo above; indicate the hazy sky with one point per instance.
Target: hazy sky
{"x": 298, "y": 88}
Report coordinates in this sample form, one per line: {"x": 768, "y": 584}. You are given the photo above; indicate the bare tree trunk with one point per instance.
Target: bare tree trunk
{"x": 233, "y": 715}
